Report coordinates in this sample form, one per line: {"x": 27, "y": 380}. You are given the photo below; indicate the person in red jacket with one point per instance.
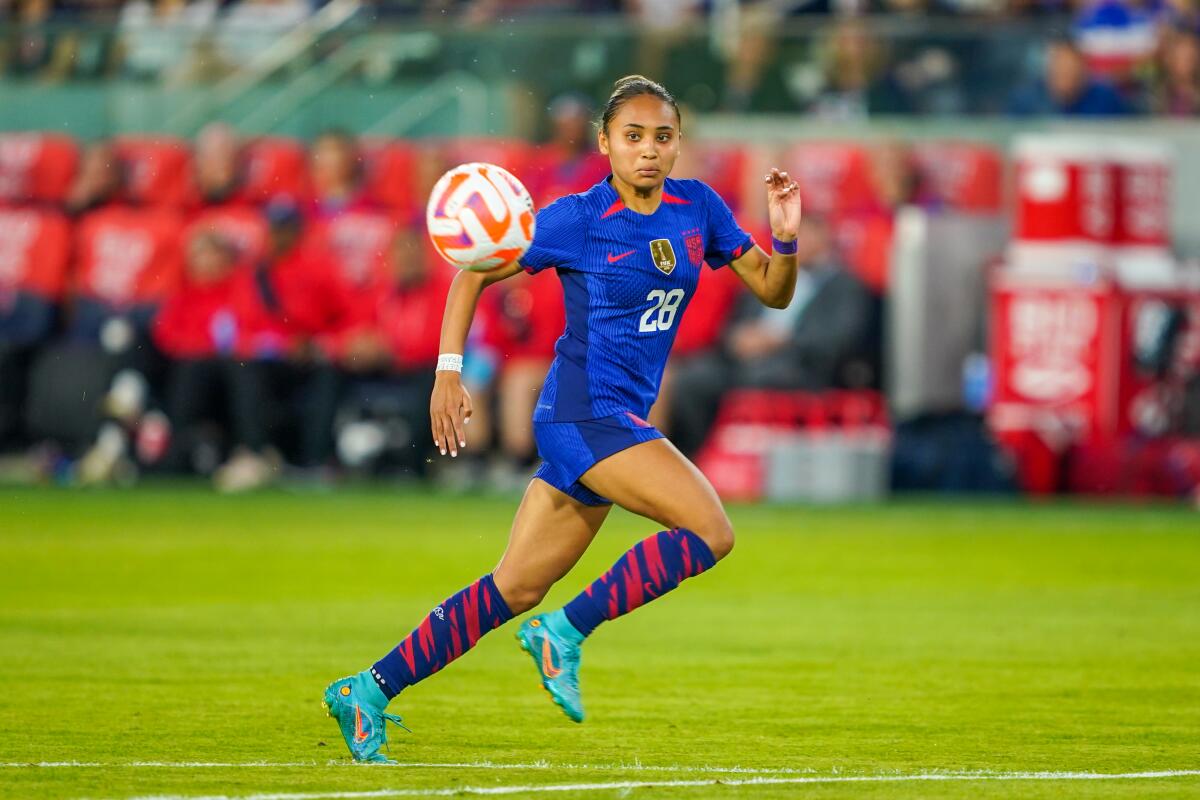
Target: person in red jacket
{"x": 569, "y": 161}
{"x": 387, "y": 348}
{"x": 336, "y": 170}
{"x": 218, "y": 166}
{"x": 198, "y": 329}
{"x": 290, "y": 306}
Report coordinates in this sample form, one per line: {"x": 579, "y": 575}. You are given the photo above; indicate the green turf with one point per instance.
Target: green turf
{"x": 172, "y": 625}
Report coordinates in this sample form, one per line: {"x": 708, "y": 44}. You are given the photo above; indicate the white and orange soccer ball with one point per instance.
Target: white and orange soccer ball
{"x": 480, "y": 217}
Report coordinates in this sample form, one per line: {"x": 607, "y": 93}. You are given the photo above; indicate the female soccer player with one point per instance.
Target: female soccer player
{"x": 629, "y": 253}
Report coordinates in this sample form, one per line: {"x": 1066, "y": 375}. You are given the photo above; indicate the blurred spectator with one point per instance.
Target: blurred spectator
{"x": 808, "y": 345}
{"x": 925, "y": 81}
{"x": 34, "y": 249}
{"x": 857, "y": 73}
{"x": 863, "y": 228}
{"x": 749, "y": 46}
{"x": 569, "y": 162}
{"x": 292, "y": 297}
{"x": 288, "y": 302}
{"x": 388, "y": 350}
{"x": 198, "y": 329}
{"x": 156, "y": 34}
{"x": 32, "y": 47}
{"x": 895, "y": 180}
{"x": 1182, "y": 14}
{"x": 336, "y": 169}
{"x": 1177, "y": 93}
{"x": 852, "y": 61}
{"x": 482, "y": 12}
{"x": 344, "y": 223}
{"x": 217, "y": 164}
{"x": 1116, "y": 37}
{"x": 251, "y": 27}
{"x": 660, "y": 27}
{"x": 1068, "y": 89}
{"x": 98, "y": 180}
{"x": 126, "y": 261}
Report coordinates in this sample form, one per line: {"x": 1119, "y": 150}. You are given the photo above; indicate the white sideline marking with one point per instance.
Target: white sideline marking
{"x": 594, "y": 787}
{"x": 536, "y": 765}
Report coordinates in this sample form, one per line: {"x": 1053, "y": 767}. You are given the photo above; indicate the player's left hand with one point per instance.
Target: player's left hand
{"x": 783, "y": 205}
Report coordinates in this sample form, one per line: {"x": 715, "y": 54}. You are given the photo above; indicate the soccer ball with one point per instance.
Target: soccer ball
{"x": 479, "y": 217}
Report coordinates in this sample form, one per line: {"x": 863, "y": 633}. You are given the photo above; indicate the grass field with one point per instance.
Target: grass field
{"x": 170, "y": 643}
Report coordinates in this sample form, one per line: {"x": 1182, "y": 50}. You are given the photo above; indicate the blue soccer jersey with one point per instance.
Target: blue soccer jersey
{"x": 627, "y": 279}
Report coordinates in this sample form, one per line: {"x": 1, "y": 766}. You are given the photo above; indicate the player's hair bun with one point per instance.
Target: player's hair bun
{"x": 619, "y": 82}
{"x": 629, "y": 87}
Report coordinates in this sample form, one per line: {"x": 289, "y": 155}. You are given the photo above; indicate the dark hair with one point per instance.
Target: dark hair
{"x": 632, "y": 86}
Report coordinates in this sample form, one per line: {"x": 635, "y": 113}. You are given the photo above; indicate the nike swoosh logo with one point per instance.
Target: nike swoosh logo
{"x": 548, "y": 668}
{"x": 614, "y": 259}
{"x": 359, "y": 734}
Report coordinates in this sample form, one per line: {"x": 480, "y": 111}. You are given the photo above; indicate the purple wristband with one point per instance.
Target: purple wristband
{"x": 783, "y": 248}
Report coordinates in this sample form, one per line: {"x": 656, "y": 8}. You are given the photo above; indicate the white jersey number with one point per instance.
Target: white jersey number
{"x": 661, "y": 315}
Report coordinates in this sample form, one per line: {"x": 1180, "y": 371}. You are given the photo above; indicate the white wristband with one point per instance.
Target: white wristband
{"x": 449, "y": 362}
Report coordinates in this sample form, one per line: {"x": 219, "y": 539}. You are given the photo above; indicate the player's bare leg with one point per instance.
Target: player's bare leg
{"x": 652, "y": 479}
{"x": 550, "y": 533}
{"x": 656, "y": 481}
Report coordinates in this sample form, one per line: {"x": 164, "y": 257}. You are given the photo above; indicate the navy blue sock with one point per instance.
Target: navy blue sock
{"x": 649, "y": 569}
{"x": 450, "y": 630}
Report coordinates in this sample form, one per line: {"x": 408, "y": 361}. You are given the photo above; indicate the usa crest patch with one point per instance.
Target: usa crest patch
{"x": 695, "y": 248}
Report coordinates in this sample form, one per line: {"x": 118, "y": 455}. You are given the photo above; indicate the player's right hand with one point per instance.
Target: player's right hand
{"x": 449, "y": 410}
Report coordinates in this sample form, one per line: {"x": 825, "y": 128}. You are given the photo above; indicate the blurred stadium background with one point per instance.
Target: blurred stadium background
{"x": 213, "y": 270}
{"x": 212, "y": 258}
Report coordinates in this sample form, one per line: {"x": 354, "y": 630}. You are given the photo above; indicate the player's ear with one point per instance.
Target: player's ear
{"x": 602, "y": 141}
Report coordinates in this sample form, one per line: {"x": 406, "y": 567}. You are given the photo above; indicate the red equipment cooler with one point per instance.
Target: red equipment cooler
{"x": 1065, "y": 198}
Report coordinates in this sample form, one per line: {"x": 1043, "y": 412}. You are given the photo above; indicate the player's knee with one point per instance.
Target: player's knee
{"x": 522, "y": 597}
{"x": 717, "y": 533}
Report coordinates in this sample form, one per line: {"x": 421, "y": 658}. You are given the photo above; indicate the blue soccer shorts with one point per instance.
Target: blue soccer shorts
{"x": 569, "y": 449}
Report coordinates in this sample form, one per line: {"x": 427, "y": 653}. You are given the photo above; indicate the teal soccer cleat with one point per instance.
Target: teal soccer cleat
{"x": 357, "y": 704}
{"x": 554, "y": 646}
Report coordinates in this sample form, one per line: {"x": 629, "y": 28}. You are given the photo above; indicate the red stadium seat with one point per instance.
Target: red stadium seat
{"x": 242, "y": 225}
{"x": 800, "y": 409}
{"x": 275, "y": 166}
{"x": 35, "y": 247}
{"x": 392, "y": 177}
{"x": 750, "y": 421}
{"x": 965, "y": 176}
{"x": 358, "y": 243}
{"x": 128, "y": 256}
{"x": 36, "y": 167}
{"x": 157, "y": 170}
{"x": 834, "y": 177}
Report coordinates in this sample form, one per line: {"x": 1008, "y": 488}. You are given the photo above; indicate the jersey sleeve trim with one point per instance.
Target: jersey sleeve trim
{"x": 738, "y": 252}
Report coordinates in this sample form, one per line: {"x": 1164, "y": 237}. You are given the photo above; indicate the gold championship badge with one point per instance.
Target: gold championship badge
{"x": 663, "y": 255}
